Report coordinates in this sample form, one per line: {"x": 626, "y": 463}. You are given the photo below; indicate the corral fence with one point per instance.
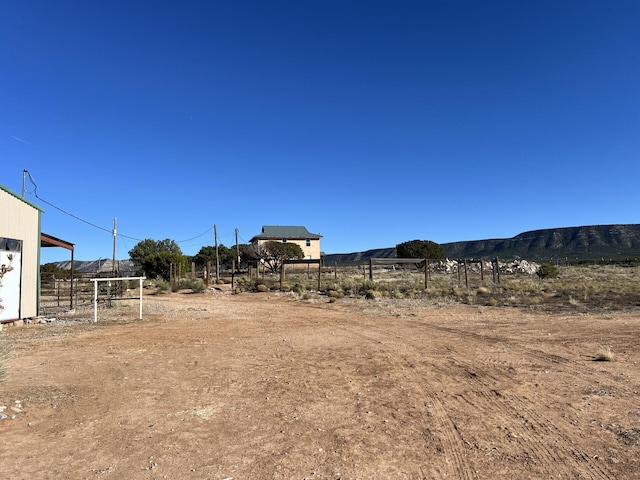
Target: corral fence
{"x": 463, "y": 268}
{"x": 314, "y": 274}
{"x": 59, "y": 292}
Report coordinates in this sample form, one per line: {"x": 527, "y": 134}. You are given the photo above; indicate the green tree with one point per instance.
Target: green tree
{"x": 247, "y": 254}
{"x": 275, "y": 253}
{"x": 154, "y": 257}
{"x": 419, "y": 249}
{"x": 226, "y": 255}
{"x": 548, "y": 270}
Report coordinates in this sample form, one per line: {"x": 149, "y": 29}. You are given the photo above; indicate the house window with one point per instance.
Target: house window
{"x": 284, "y": 240}
{"x": 308, "y": 242}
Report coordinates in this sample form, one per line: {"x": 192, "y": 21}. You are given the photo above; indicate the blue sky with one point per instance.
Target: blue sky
{"x": 369, "y": 122}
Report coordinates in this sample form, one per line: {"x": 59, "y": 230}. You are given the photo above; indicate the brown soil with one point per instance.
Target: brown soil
{"x": 267, "y": 386}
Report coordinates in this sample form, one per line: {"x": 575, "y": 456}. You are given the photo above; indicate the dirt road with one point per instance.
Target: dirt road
{"x": 262, "y": 386}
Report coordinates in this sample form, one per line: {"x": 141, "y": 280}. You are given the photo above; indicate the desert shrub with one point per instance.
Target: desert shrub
{"x": 333, "y": 294}
{"x": 196, "y": 285}
{"x": 372, "y": 295}
{"x": 262, "y": 288}
{"x": 368, "y": 285}
{"x": 548, "y": 270}
{"x": 162, "y": 286}
{"x": 286, "y": 287}
{"x": 604, "y": 355}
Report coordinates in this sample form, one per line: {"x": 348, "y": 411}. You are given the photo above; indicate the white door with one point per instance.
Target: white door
{"x": 10, "y": 263}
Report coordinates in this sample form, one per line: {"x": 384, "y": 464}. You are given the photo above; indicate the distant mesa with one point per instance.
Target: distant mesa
{"x": 597, "y": 242}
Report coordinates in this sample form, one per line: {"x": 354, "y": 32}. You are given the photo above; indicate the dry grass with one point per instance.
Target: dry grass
{"x": 4, "y": 359}
{"x": 577, "y": 288}
{"x": 604, "y": 355}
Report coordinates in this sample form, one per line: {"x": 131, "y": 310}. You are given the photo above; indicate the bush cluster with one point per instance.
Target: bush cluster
{"x": 196, "y": 285}
{"x": 548, "y": 270}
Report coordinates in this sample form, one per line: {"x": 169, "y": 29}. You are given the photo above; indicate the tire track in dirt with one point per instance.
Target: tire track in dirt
{"x": 533, "y": 425}
{"x": 453, "y": 443}
{"x": 529, "y": 425}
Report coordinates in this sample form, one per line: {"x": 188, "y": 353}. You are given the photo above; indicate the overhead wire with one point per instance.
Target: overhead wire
{"x": 35, "y": 193}
{"x": 197, "y": 236}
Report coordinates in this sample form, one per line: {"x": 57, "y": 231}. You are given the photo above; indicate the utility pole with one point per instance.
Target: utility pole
{"x": 24, "y": 182}
{"x": 237, "y": 251}
{"x": 113, "y": 264}
{"x": 215, "y": 235}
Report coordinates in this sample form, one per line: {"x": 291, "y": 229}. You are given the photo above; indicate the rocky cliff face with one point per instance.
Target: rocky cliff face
{"x": 608, "y": 242}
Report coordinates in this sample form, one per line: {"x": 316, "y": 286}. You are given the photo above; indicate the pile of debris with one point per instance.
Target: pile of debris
{"x": 516, "y": 266}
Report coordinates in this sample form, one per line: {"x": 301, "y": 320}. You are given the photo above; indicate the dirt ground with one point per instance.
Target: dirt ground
{"x": 268, "y": 386}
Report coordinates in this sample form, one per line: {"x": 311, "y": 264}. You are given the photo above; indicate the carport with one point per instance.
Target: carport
{"x": 47, "y": 241}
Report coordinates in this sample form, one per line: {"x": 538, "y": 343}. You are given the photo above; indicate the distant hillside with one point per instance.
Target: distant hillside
{"x": 571, "y": 243}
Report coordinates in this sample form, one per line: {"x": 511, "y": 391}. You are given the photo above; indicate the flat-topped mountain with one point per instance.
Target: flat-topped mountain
{"x": 596, "y": 242}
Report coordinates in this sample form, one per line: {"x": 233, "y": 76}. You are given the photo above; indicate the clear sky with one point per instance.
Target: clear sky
{"x": 369, "y": 122}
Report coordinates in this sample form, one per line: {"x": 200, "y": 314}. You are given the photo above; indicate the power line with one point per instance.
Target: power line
{"x": 197, "y": 236}
{"x": 35, "y": 193}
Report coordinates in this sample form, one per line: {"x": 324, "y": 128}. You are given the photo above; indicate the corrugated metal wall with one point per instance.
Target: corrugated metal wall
{"x": 20, "y": 219}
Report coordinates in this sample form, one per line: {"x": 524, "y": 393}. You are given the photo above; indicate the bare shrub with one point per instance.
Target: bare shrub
{"x": 604, "y": 355}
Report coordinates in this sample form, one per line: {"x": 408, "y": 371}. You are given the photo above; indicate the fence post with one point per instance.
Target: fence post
{"x": 481, "y": 270}
{"x": 498, "y": 270}
{"x": 370, "y": 269}
{"x": 233, "y": 274}
{"x": 319, "y": 275}
{"x": 426, "y": 273}
{"x": 281, "y": 275}
{"x": 466, "y": 277}
{"x": 335, "y": 270}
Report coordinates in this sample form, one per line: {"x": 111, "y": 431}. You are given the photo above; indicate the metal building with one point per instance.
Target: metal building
{"x": 19, "y": 256}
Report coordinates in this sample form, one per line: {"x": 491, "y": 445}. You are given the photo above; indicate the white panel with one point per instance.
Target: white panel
{"x": 10, "y": 263}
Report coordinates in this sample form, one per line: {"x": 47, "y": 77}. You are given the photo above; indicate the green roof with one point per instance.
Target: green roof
{"x": 279, "y": 232}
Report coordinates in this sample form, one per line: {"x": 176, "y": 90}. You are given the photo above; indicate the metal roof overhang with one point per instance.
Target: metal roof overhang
{"x": 51, "y": 241}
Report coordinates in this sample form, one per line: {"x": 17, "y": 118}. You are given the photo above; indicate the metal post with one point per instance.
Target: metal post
{"x": 140, "y": 317}
{"x": 95, "y": 301}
